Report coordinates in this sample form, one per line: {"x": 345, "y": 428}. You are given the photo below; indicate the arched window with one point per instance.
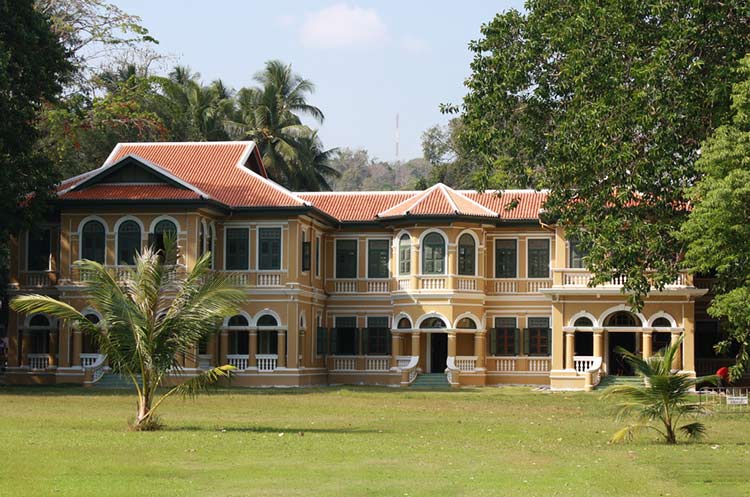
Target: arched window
{"x": 583, "y": 322}
{"x": 404, "y": 324}
{"x": 622, "y": 319}
{"x": 89, "y": 345}
{"x": 39, "y": 337}
{"x": 662, "y": 322}
{"x": 128, "y": 242}
{"x": 238, "y": 320}
{"x": 466, "y": 255}
{"x": 267, "y": 320}
{"x": 433, "y": 323}
{"x": 466, "y": 324}
{"x": 404, "y": 254}
{"x": 433, "y": 254}
{"x": 93, "y": 241}
{"x": 163, "y": 228}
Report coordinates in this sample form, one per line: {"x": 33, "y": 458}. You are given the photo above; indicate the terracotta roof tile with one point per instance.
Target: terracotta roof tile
{"x": 215, "y": 168}
{"x": 131, "y": 192}
{"x": 439, "y": 200}
{"x": 527, "y": 204}
{"x": 355, "y": 206}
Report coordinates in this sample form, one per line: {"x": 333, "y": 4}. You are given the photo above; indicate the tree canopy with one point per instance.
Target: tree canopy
{"x": 605, "y": 105}
{"x": 718, "y": 228}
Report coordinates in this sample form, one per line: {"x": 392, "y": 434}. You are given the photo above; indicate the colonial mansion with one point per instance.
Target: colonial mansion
{"x": 377, "y": 288}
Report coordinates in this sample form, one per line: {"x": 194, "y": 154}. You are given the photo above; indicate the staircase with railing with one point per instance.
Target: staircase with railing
{"x": 590, "y": 368}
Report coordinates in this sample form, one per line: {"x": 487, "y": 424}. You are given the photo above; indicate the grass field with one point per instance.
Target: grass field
{"x": 353, "y": 442}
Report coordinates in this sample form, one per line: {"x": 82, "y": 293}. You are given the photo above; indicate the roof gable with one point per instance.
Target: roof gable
{"x": 439, "y": 200}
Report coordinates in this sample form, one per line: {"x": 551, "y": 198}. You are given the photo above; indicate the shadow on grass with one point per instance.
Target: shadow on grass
{"x": 270, "y": 429}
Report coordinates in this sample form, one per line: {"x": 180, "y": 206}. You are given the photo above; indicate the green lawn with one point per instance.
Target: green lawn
{"x": 353, "y": 442}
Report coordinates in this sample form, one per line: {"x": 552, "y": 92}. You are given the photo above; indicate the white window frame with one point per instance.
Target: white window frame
{"x": 494, "y": 257}
{"x": 389, "y": 242}
{"x": 226, "y": 246}
{"x": 549, "y": 254}
{"x": 335, "y": 258}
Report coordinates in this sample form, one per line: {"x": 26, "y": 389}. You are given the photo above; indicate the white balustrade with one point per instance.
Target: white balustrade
{"x": 269, "y": 279}
{"x": 402, "y": 361}
{"x": 410, "y": 368}
{"x": 577, "y": 278}
{"x": 533, "y": 286}
{"x": 539, "y": 365}
{"x": 380, "y": 363}
{"x": 38, "y": 361}
{"x": 467, "y": 284}
{"x": 503, "y": 364}
{"x": 88, "y": 360}
{"x": 433, "y": 282}
{"x": 506, "y": 286}
{"x": 345, "y": 286}
{"x": 465, "y": 363}
{"x": 345, "y": 363}
{"x": 239, "y": 361}
{"x": 452, "y": 372}
{"x": 36, "y": 279}
{"x": 267, "y": 362}
{"x": 583, "y": 363}
{"x": 404, "y": 283}
{"x": 378, "y": 286}
{"x": 239, "y": 279}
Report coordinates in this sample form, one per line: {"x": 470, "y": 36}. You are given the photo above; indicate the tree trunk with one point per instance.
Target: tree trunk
{"x": 143, "y": 418}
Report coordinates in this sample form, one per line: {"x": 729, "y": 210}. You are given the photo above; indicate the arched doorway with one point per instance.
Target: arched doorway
{"x": 437, "y": 344}
{"x": 619, "y": 336}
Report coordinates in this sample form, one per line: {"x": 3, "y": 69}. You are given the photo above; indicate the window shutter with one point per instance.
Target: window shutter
{"x": 357, "y": 341}
{"x": 493, "y": 341}
{"x": 388, "y": 341}
{"x": 516, "y": 340}
{"x": 526, "y": 341}
{"x": 365, "y": 342}
{"x": 333, "y": 350}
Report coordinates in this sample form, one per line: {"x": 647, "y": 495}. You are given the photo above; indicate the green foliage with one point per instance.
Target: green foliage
{"x": 663, "y": 402}
{"x": 452, "y": 164}
{"x": 606, "y": 105}
{"x": 718, "y": 229}
{"x": 149, "y": 318}
{"x": 33, "y": 67}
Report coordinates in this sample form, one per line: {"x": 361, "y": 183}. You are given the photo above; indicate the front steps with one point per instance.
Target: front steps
{"x": 114, "y": 381}
{"x": 431, "y": 381}
{"x": 611, "y": 381}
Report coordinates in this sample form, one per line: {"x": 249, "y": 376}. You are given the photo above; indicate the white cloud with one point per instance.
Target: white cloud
{"x": 343, "y": 26}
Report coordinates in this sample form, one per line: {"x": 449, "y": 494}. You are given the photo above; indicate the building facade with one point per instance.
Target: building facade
{"x": 343, "y": 288}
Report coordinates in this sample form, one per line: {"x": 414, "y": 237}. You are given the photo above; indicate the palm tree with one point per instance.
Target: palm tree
{"x": 148, "y": 319}
{"x": 269, "y": 114}
{"x": 315, "y": 168}
{"x": 193, "y": 112}
{"x": 663, "y": 401}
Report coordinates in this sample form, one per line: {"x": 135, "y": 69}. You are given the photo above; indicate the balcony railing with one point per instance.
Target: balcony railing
{"x": 580, "y": 278}
{"x": 364, "y": 363}
{"x": 38, "y": 361}
{"x": 267, "y": 362}
{"x": 517, "y": 285}
{"x": 518, "y": 364}
{"x": 38, "y": 279}
{"x": 433, "y": 282}
{"x": 88, "y": 360}
{"x": 239, "y": 361}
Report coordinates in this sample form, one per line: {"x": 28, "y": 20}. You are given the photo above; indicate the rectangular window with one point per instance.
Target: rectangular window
{"x": 321, "y": 342}
{"x": 317, "y": 256}
{"x": 576, "y": 255}
{"x": 538, "y": 253}
{"x": 538, "y": 336}
{"x": 39, "y": 250}
{"x": 238, "y": 249}
{"x": 378, "y": 337}
{"x": 378, "y": 254}
{"x": 345, "y": 337}
{"x": 346, "y": 258}
{"x": 506, "y": 257}
{"x": 306, "y": 256}
{"x": 404, "y": 255}
{"x": 269, "y": 249}
{"x": 505, "y": 340}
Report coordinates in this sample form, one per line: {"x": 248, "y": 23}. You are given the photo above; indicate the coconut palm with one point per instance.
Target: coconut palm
{"x": 269, "y": 114}
{"x": 663, "y": 402}
{"x": 315, "y": 168}
{"x": 149, "y": 318}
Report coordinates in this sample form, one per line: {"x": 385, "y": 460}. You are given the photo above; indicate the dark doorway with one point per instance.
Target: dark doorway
{"x": 584, "y": 343}
{"x": 438, "y": 352}
{"x": 616, "y": 364}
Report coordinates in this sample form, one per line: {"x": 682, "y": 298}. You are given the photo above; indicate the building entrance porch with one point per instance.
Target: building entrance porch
{"x": 616, "y": 363}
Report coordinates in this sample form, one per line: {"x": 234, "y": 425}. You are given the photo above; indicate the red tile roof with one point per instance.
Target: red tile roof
{"x": 355, "y": 206}
{"x": 216, "y": 169}
{"x": 114, "y": 191}
{"x": 439, "y": 200}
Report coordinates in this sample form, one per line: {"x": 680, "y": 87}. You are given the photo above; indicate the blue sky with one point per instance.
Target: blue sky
{"x": 369, "y": 60}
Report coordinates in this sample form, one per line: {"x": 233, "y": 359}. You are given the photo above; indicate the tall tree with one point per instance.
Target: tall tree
{"x": 269, "y": 114}
{"x": 149, "y": 319}
{"x": 316, "y": 171}
{"x": 606, "y": 104}
{"x": 33, "y": 67}
{"x": 718, "y": 228}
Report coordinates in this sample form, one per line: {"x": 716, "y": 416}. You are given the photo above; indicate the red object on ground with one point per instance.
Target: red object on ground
{"x": 723, "y": 373}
